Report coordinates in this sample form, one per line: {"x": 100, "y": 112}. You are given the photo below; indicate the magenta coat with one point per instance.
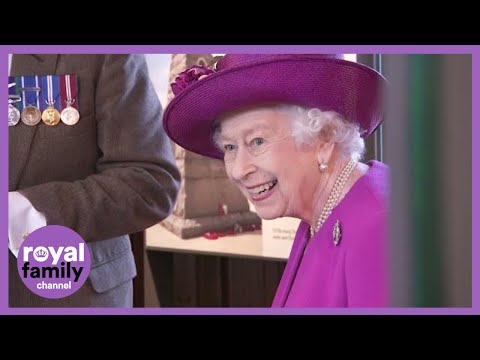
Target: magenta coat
{"x": 354, "y": 273}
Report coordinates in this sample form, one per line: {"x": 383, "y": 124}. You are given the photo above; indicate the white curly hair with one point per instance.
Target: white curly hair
{"x": 308, "y": 124}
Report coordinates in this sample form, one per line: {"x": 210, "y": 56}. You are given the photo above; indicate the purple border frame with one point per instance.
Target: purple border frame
{"x": 474, "y": 50}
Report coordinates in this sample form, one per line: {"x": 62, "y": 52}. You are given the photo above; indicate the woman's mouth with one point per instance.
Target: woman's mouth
{"x": 263, "y": 191}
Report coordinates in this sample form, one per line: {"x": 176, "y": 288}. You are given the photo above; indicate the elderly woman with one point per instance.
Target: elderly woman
{"x": 291, "y": 130}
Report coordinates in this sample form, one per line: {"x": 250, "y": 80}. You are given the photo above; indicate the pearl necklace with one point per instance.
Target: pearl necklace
{"x": 334, "y": 195}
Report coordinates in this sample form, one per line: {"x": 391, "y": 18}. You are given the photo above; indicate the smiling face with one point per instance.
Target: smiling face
{"x": 262, "y": 159}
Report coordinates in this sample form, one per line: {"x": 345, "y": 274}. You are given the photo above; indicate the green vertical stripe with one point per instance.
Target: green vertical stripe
{"x": 378, "y": 136}
{"x": 424, "y": 116}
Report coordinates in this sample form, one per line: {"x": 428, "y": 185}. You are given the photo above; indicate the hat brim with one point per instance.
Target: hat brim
{"x": 351, "y": 89}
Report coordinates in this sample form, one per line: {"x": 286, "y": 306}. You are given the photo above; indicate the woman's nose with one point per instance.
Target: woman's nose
{"x": 243, "y": 164}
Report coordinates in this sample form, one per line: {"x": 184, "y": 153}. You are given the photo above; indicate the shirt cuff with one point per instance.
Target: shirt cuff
{"x": 22, "y": 220}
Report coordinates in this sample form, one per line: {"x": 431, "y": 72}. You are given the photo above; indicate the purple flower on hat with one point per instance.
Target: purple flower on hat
{"x": 189, "y": 76}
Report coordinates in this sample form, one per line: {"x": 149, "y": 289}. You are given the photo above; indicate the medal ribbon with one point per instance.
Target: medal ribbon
{"x": 68, "y": 90}
{"x": 52, "y": 88}
{"x": 30, "y": 96}
{"x": 50, "y": 84}
{"x": 13, "y": 89}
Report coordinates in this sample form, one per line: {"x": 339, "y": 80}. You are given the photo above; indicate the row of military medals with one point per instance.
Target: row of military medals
{"x": 31, "y": 114}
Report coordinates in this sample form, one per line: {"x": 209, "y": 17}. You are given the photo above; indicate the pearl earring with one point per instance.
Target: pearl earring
{"x": 322, "y": 166}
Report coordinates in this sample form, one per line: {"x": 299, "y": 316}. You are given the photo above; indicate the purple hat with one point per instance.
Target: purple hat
{"x": 327, "y": 82}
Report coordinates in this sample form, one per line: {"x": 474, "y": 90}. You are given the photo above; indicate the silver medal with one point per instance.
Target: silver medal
{"x": 13, "y": 115}
{"x": 70, "y": 115}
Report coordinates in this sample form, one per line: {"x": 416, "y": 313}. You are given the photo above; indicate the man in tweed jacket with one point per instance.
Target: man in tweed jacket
{"x": 111, "y": 174}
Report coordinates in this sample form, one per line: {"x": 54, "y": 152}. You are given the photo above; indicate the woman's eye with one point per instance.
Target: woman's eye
{"x": 228, "y": 147}
{"x": 258, "y": 141}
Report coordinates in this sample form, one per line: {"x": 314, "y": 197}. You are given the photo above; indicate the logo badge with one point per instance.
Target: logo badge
{"x": 53, "y": 261}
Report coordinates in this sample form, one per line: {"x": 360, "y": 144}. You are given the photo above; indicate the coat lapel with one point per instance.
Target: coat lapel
{"x": 293, "y": 263}
{"x": 36, "y": 64}
{"x": 20, "y": 137}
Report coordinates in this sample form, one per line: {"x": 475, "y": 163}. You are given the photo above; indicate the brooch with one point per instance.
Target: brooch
{"x": 337, "y": 233}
